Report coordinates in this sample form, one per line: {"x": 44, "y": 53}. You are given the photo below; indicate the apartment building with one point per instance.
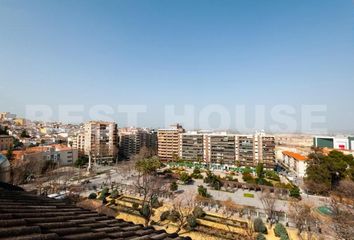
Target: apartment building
{"x": 6, "y": 142}
{"x": 60, "y": 154}
{"x": 220, "y": 148}
{"x": 169, "y": 142}
{"x": 266, "y": 150}
{"x": 246, "y": 152}
{"x": 217, "y": 148}
{"x": 132, "y": 140}
{"x": 101, "y": 141}
{"x": 294, "y": 162}
{"x": 192, "y": 147}
{"x": 78, "y": 142}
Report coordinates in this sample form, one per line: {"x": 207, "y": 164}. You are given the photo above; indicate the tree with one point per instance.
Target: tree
{"x": 344, "y": 190}
{"x": 81, "y": 161}
{"x": 342, "y": 219}
{"x": 182, "y": 210}
{"x": 148, "y": 185}
{"x": 230, "y": 208}
{"x": 269, "y": 201}
{"x": 327, "y": 171}
{"x": 148, "y": 165}
{"x": 301, "y": 213}
{"x": 213, "y": 180}
{"x": 260, "y": 171}
{"x": 4, "y": 130}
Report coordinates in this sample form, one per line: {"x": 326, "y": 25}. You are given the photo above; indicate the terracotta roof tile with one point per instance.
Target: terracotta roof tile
{"x": 24, "y": 216}
{"x": 295, "y": 155}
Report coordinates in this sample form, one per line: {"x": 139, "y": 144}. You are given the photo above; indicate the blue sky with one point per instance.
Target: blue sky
{"x": 227, "y": 52}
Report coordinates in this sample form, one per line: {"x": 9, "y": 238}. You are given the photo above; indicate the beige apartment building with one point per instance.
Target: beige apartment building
{"x": 6, "y": 142}
{"x": 169, "y": 142}
{"x": 218, "y": 148}
{"x": 101, "y": 141}
{"x": 78, "y": 142}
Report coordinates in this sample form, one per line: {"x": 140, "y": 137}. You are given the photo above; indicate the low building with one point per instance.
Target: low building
{"x": 341, "y": 143}
{"x": 6, "y": 142}
{"x": 60, "y": 154}
{"x": 294, "y": 162}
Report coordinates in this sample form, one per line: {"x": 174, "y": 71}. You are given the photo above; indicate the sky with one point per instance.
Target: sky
{"x": 176, "y": 53}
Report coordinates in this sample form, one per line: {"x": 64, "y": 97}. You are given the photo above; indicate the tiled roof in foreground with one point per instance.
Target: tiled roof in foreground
{"x": 24, "y": 216}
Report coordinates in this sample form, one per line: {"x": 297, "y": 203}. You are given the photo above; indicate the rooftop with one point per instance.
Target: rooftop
{"x": 27, "y": 216}
{"x": 296, "y": 156}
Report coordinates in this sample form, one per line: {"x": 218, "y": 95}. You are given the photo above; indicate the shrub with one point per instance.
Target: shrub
{"x": 198, "y": 212}
{"x": 135, "y": 206}
{"x": 196, "y": 171}
{"x": 173, "y": 186}
{"x": 164, "y": 216}
{"x": 260, "y": 236}
{"x": 185, "y": 178}
{"x": 284, "y": 237}
{"x": 192, "y": 222}
{"x": 155, "y": 202}
{"x": 145, "y": 211}
{"x": 202, "y": 191}
{"x": 213, "y": 180}
{"x": 272, "y": 175}
{"x": 114, "y": 194}
{"x": 92, "y": 196}
{"x": 104, "y": 193}
{"x": 259, "y": 226}
{"x": 280, "y": 231}
{"x": 247, "y": 177}
{"x": 294, "y": 192}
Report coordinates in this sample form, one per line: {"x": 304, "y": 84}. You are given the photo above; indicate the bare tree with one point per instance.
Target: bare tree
{"x": 269, "y": 201}
{"x": 342, "y": 219}
{"x": 149, "y": 186}
{"x": 182, "y": 207}
{"x": 301, "y": 213}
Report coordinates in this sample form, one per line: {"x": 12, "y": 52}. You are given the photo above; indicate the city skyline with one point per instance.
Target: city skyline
{"x": 160, "y": 53}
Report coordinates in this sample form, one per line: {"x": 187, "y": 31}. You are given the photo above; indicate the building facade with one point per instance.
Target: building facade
{"x": 101, "y": 141}
{"x": 6, "y": 142}
{"x": 217, "y": 148}
{"x": 341, "y": 143}
{"x": 192, "y": 147}
{"x": 169, "y": 142}
{"x": 295, "y": 163}
{"x": 132, "y": 140}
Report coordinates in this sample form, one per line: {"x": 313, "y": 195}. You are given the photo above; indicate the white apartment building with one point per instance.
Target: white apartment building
{"x": 294, "y": 162}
